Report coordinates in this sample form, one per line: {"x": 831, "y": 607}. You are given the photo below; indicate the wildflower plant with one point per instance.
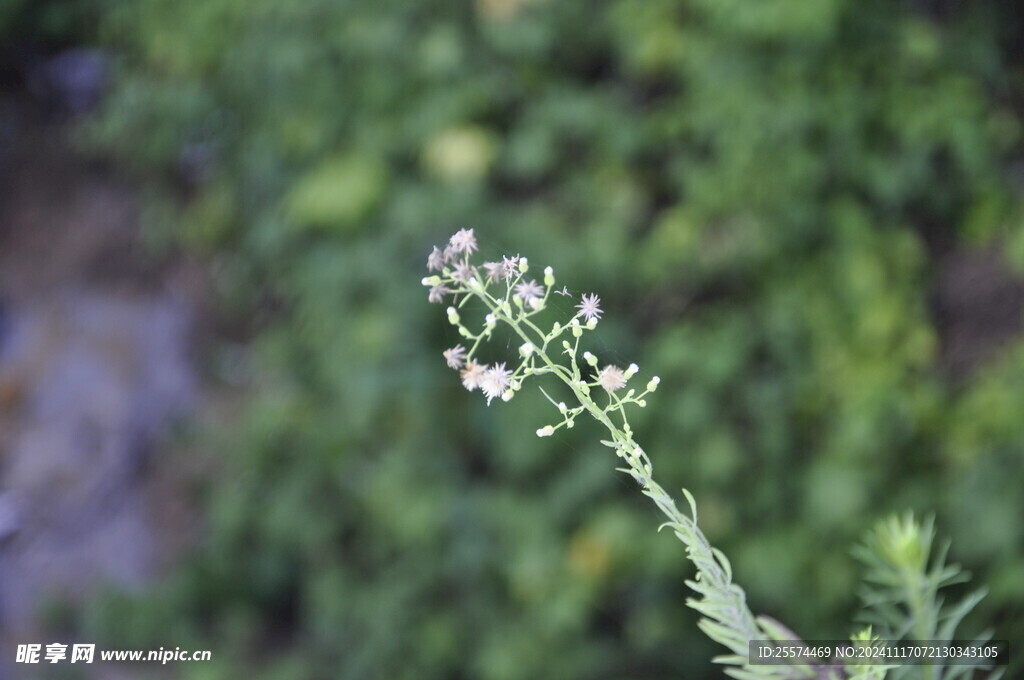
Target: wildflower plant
{"x": 513, "y": 298}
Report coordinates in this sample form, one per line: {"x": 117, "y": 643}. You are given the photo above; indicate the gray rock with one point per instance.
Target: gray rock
{"x": 96, "y": 379}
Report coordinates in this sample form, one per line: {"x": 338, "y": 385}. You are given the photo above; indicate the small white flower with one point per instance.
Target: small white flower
{"x": 549, "y": 276}
{"x": 611, "y": 378}
{"x": 526, "y": 349}
{"x": 495, "y": 381}
{"x": 588, "y": 307}
{"x": 437, "y": 293}
{"x": 528, "y": 291}
{"x": 435, "y": 261}
{"x": 472, "y": 375}
{"x": 631, "y": 371}
{"x": 463, "y": 241}
{"x": 653, "y": 384}
{"x": 546, "y": 431}
{"x": 455, "y": 356}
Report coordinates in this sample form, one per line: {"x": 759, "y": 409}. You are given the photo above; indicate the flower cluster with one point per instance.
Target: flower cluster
{"x": 517, "y": 302}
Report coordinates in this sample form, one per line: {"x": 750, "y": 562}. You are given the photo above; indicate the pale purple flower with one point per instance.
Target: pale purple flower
{"x": 472, "y": 375}
{"x": 463, "y": 241}
{"x": 588, "y": 307}
{"x": 463, "y": 272}
{"x": 495, "y": 271}
{"x": 437, "y": 293}
{"x": 455, "y": 356}
{"x": 510, "y": 267}
{"x": 611, "y": 378}
{"x": 528, "y": 291}
{"x": 435, "y": 261}
{"x": 495, "y": 381}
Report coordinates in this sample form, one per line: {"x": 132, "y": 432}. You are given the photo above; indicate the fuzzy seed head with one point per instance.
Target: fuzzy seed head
{"x": 472, "y": 375}
{"x": 611, "y": 378}
{"x": 456, "y": 356}
{"x": 495, "y": 381}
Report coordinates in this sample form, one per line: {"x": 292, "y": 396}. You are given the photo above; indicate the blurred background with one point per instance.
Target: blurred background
{"x": 225, "y": 422}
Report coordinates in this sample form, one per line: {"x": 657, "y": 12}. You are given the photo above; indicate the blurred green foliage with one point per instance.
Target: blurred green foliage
{"x": 763, "y": 194}
{"x": 45, "y": 22}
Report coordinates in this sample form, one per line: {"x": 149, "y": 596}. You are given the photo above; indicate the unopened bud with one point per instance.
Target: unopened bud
{"x": 526, "y": 349}
{"x": 545, "y": 431}
{"x": 549, "y": 276}
{"x": 453, "y": 316}
{"x": 431, "y": 281}
{"x": 590, "y": 358}
{"x": 653, "y": 384}
{"x": 631, "y": 371}
{"x": 524, "y": 265}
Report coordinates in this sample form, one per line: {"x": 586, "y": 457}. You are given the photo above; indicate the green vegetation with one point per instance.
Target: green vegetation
{"x": 773, "y": 189}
